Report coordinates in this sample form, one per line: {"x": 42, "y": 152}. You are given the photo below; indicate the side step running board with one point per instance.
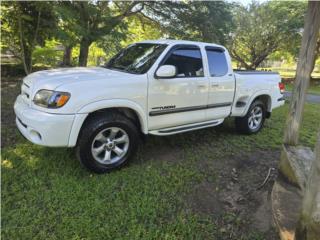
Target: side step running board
{"x": 186, "y": 128}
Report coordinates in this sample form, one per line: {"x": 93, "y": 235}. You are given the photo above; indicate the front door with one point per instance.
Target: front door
{"x": 182, "y": 99}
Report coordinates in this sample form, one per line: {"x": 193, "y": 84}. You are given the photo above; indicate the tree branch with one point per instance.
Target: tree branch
{"x": 238, "y": 58}
{"x": 35, "y": 37}
{"x": 22, "y": 46}
{"x": 149, "y": 18}
{"x": 128, "y": 12}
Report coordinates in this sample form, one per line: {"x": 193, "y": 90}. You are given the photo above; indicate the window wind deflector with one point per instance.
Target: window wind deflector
{"x": 211, "y": 48}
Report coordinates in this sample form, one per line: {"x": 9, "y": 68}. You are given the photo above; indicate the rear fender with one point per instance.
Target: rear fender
{"x": 240, "y": 112}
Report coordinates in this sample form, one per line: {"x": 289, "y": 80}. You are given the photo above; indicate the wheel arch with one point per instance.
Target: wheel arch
{"x": 130, "y": 109}
{"x": 264, "y": 97}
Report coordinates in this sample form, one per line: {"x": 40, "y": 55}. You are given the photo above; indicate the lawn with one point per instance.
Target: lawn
{"x": 313, "y": 89}
{"x": 291, "y": 72}
{"x": 47, "y": 194}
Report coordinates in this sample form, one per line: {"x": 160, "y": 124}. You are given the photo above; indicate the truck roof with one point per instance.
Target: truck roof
{"x": 171, "y": 42}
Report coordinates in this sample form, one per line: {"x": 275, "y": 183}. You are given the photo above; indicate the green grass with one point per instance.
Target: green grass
{"x": 46, "y": 194}
{"x": 313, "y": 89}
{"x": 292, "y": 74}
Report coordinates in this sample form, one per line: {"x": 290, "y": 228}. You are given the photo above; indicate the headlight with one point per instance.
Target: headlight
{"x": 51, "y": 99}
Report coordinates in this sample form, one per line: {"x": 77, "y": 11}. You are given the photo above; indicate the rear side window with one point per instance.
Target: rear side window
{"x": 217, "y": 62}
{"x": 188, "y": 62}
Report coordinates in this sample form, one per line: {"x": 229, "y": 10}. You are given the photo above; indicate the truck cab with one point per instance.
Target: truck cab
{"x": 200, "y": 91}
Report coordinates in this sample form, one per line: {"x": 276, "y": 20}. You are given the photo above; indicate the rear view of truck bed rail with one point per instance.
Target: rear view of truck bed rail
{"x": 253, "y": 72}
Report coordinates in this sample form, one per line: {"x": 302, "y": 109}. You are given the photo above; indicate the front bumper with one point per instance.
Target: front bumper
{"x": 43, "y": 128}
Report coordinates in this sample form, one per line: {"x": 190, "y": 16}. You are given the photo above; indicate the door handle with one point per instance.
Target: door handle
{"x": 215, "y": 85}
{"x": 202, "y": 86}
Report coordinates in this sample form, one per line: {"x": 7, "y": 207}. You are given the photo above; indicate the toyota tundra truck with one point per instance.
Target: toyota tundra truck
{"x": 159, "y": 87}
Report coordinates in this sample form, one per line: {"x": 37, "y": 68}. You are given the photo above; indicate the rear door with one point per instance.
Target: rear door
{"x": 182, "y": 99}
{"x": 221, "y": 83}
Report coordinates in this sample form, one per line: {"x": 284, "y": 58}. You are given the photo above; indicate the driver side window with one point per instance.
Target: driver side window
{"x": 188, "y": 62}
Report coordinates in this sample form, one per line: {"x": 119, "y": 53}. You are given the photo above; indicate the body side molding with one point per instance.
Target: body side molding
{"x": 187, "y": 109}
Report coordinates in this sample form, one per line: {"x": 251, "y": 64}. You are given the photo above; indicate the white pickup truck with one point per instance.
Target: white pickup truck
{"x": 157, "y": 87}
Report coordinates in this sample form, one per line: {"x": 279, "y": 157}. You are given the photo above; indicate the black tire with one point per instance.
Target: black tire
{"x": 92, "y": 127}
{"x": 242, "y": 123}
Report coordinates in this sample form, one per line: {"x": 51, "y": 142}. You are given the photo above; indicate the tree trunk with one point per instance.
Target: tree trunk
{"x": 27, "y": 59}
{"x": 304, "y": 69}
{"x": 309, "y": 222}
{"x": 26, "y": 51}
{"x": 84, "y": 51}
{"x": 67, "y": 56}
{"x": 22, "y": 46}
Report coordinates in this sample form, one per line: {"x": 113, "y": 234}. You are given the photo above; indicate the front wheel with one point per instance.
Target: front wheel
{"x": 107, "y": 141}
{"x": 253, "y": 121}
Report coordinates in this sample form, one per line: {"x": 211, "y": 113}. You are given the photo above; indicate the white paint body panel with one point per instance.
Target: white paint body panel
{"x": 97, "y": 88}
{"x": 250, "y": 86}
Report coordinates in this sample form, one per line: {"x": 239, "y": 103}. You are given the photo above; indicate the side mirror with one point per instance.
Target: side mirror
{"x": 166, "y": 71}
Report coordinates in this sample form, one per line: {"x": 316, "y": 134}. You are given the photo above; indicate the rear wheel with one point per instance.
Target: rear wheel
{"x": 253, "y": 121}
{"x": 107, "y": 141}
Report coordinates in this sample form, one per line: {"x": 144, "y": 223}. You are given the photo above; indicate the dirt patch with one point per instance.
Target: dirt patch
{"x": 239, "y": 198}
{"x": 205, "y": 199}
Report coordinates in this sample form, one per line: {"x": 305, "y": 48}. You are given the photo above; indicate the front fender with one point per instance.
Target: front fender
{"x": 82, "y": 114}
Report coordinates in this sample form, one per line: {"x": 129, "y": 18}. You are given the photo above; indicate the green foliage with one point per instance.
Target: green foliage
{"x": 112, "y": 43}
{"x": 96, "y": 55}
{"x": 92, "y": 20}
{"x": 140, "y": 28}
{"x": 48, "y": 55}
{"x": 136, "y": 28}
{"x": 290, "y": 17}
{"x": 209, "y": 21}
{"x": 281, "y": 55}
{"x": 261, "y": 29}
{"x": 25, "y": 25}
{"x": 254, "y": 33}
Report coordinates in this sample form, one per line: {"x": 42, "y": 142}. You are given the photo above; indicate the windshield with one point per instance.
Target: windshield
{"x": 137, "y": 58}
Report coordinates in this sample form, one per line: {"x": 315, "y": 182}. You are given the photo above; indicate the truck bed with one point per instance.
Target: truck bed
{"x": 250, "y": 84}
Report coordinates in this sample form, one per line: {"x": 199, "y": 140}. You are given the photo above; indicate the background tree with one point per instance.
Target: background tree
{"x": 93, "y": 20}
{"x": 66, "y": 32}
{"x": 261, "y": 29}
{"x": 25, "y": 25}
{"x": 193, "y": 20}
{"x": 251, "y": 33}
{"x": 135, "y": 28}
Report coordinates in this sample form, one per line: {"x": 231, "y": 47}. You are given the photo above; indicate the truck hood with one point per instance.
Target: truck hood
{"x": 52, "y": 79}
